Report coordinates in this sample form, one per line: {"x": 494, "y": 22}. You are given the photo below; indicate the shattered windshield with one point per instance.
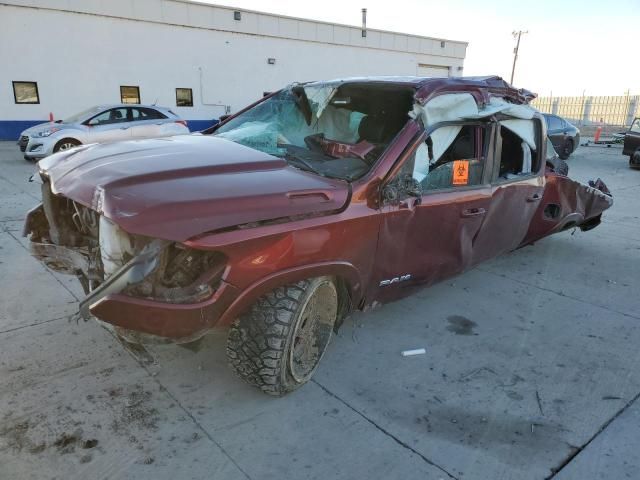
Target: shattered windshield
{"x": 331, "y": 131}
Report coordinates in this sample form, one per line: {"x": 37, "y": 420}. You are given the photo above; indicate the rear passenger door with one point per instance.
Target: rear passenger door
{"x": 556, "y": 131}
{"x": 147, "y": 122}
{"x": 517, "y": 186}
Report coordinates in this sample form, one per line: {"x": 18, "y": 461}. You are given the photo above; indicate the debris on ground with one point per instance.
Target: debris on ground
{"x": 417, "y": 351}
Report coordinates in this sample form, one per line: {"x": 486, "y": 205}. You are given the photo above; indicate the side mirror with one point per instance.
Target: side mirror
{"x": 400, "y": 188}
{"x": 412, "y": 187}
{"x": 390, "y": 194}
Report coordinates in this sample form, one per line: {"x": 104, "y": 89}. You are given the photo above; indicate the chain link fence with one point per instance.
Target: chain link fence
{"x": 607, "y": 112}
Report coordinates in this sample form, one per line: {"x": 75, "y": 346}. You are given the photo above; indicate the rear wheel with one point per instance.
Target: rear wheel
{"x": 566, "y": 150}
{"x": 66, "y": 144}
{"x": 634, "y": 160}
{"x": 277, "y": 345}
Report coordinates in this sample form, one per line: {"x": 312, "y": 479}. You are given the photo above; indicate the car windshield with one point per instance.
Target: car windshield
{"x": 336, "y": 131}
{"x": 79, "y": 117}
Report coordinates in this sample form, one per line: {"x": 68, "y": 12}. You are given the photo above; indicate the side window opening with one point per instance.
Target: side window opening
{"x": 451, "y": 157}
{"x": 518, "y": 156}
{"x": 460, "y": 164}
{"x": 115, "y": 115}
{"x": 141, "y": 113}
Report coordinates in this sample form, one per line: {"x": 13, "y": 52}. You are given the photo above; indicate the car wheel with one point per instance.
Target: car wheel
{"x": 66, "y": 144}
{"x": 566, "y": 150}
{"x": 277, "y": 344}
{"x": 634, "y": 160}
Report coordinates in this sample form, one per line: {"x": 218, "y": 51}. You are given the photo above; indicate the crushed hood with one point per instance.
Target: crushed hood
{"x": 176, "y": 188}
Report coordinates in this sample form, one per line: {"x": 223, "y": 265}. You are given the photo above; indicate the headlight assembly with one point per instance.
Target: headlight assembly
{"x": 46, "y": 133}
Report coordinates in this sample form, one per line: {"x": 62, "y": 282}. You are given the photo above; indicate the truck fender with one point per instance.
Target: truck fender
{"x": 342, "y": 270}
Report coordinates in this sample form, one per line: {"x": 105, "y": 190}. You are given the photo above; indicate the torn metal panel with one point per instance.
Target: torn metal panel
{"x": 63, "y": 259}
{"x": 134, "y": 271}
{"x": 456, "y": 107}
{"x": 567, "y": 203}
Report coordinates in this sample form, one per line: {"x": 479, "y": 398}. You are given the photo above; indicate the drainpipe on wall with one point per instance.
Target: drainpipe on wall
{"x": 227, "y": 108}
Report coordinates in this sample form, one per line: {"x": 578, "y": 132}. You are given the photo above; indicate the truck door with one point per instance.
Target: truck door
{"x": 517, "y": 186}
{"x": 433, "y": 207}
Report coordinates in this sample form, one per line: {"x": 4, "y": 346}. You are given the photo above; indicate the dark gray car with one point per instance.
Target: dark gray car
{"x": 564, "y": 136}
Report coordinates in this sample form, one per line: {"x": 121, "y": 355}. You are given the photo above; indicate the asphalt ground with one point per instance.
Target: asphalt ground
{"x": 531, "y": 371}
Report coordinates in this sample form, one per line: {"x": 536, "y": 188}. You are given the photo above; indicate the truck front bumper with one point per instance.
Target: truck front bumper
{"x": 177, "y": 322}
{"x": 36, "y": 147}
{"x": 174, "y": 322}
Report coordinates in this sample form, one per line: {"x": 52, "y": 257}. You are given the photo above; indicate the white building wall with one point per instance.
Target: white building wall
{"x": 81, "y": 51}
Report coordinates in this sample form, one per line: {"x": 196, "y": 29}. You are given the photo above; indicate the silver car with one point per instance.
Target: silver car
{"x": 101, "y": 124}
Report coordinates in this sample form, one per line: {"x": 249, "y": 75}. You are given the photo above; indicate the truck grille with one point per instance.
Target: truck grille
{"x": 22, "y": 143}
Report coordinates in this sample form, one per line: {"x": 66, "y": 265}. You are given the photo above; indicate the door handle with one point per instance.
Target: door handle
{"x": 536, "y": 197}
{"x": 124, "y": 128}
{"x": 473, "y": 212}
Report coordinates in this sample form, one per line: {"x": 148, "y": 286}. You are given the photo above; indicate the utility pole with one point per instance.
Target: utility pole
{"x": 517, "y": 35}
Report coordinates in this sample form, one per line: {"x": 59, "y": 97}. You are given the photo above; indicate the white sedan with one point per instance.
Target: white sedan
{"x": 102, "y": 124}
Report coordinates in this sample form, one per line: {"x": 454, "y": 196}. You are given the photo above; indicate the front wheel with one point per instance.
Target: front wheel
{"x": 277, "y": 345}
{"x": 66, "y": 144}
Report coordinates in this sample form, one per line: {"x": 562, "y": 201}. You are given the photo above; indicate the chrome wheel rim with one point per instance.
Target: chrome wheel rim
{"x": 313, "y": 331}
{"x": 67, "y": 146}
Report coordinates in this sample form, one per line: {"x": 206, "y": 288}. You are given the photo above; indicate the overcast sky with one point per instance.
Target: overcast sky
{"x": 572, "y": 45}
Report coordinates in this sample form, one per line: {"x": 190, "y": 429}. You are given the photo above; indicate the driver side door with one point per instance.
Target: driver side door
{"x": 432, "y": 209}
{"x": 112, "y": 125}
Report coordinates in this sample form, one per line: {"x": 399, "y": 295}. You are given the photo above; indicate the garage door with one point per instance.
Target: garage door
{"x": 425, "y": 70}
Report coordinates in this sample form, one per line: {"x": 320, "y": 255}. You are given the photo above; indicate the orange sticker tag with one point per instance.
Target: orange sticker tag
{"x": 460, "y": 172}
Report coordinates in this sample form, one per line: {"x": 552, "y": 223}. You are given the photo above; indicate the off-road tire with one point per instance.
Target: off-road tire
{"x": 260, "y": 345}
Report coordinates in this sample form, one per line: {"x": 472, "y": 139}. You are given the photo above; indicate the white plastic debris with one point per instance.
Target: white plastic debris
{"x": 417, "y": 351}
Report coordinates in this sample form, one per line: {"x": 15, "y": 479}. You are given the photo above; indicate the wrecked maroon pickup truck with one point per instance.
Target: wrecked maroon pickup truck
{"x": 319, "y": 199}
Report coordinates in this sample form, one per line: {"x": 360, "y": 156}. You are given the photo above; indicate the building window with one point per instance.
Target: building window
{"x": 130, "y": 94}
{"x": 26, "y": 92}
{"x": 184, "y": 97}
